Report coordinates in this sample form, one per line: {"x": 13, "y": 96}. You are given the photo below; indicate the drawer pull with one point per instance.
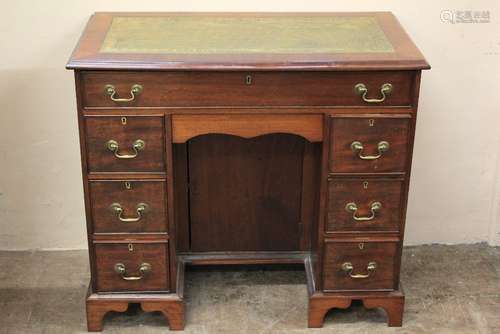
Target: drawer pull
{"x": 143, "y": 269}
{"x": 113, "y": 146}
{"x": 382, "y": 147}
{"x": 141, "y": 208}
{"x": 352, "y": 207}
{"x": 385, "y": 90}
{"x": 349, "y": 268}
{"x": 134, "y": 91}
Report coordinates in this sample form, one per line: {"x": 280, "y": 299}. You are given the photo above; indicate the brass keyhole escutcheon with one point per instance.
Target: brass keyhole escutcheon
{"x": 128, "y": 186}
{"x": 365, "y": 185}
{"x": 361, "y": 245}
{"x": 130, "y": 247}
{"x": 248, "y": 80}
{"x": 124, "y": 120}
{"x": 371, "y": 122}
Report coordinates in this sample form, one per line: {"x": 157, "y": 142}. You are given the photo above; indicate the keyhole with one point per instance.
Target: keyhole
{"x": 361, "y": 245}
{"x": 124, "y": 120}
{"x": 130, "y": 247}
{"x": 365, "y": 185}
{"x": 371, "y": 122}
{"x": 248, "y": 79}
{"x": 128, "y": 185}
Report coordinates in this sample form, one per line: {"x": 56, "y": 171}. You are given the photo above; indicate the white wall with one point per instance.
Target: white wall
{"x": 455, "y": 194}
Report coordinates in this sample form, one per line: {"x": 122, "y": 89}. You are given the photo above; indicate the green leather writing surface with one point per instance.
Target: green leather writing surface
{"x": 193, "y": 34}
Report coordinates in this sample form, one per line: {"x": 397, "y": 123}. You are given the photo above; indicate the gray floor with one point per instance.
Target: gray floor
{"x": 449, "y": 289}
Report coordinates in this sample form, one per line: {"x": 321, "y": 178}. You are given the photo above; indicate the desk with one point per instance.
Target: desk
{"x": 245, "y": 139}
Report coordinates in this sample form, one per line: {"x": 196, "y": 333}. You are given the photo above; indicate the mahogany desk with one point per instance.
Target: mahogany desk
{"x": 245, "y": 139}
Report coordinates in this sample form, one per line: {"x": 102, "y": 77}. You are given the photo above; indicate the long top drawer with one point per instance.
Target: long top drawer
{"x": 211, "y": 89}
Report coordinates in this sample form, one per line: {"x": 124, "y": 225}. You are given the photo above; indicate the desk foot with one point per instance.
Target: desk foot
{"x": 173, "y": 311}
{"x": 170, "y": 305}
{"x": 391, "y": 302}
{"x": 97, "y": 310}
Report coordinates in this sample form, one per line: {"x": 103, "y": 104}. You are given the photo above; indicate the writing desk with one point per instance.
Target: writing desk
{"x": 231, "y": 138}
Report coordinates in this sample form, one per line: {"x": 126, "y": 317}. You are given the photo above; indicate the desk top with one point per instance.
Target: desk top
{"x": 237, "y": 41}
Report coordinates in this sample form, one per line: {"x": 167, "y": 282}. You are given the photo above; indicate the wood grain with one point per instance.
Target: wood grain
{"x": 152, "y": 193}
{"x": 388, "y": 192}
{"x": 170, "y": 305}
{"x": 247, "y": 126}
{"x": 245, "y": 195}
{"x": 88, "y": 55}
{"x": 107, "y": 255}
{"x": 217, "y": 89}
{"x": 100, "y": 129}
{"x": 246, "y": 172}
{"x": 345, "y": 130}
{"x": 311, "y": 175}
{"x": 242, "y": 258}
{"x": 339, "y": 252}
{"x": 173, "y": 311}
{"x": 97, "y": 311}
{"x": 181, "y": 197}
{"x": 392, "y": 303}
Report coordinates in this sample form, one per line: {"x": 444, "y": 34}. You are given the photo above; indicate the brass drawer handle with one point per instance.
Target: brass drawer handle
{"x": 349, "y": 268}
{"x": 358, "y": 147}
{"x": 134, "y": 91}
{"x": 141, "y": 208}
{"x": 385, "y": 90}
{"x": 137, "y": 146}
{"x": 144, "y": 269}
{"x": 352, "y": 207}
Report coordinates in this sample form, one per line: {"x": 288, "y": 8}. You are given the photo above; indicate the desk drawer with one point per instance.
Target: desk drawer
{"x": 125, "y": 144}
{"x": 128, "y": 206}
{"x": 369, "y": 144}
{"x": 132, "y": 267}
{"x": 365, "y": 205}
{"x": 197, "y": 89}
{"x": 359, "y": 266}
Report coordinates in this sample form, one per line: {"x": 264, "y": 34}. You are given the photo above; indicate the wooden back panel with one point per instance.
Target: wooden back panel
{"x": 245, "y": 194}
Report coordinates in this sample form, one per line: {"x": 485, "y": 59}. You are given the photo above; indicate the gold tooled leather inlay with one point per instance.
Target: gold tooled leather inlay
{"x": 191, "y": 34}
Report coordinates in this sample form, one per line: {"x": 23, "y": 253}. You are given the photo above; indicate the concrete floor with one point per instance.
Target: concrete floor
{"x": 449, "y": 289}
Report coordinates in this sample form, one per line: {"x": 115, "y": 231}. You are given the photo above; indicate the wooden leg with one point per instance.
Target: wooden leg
{"x": 393, "y": 306}
{"x": 96, "y": 310}
{"x": 172, "y": 310}
{"x": 318, "y": 307}
{"x": 97, "y": 307}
